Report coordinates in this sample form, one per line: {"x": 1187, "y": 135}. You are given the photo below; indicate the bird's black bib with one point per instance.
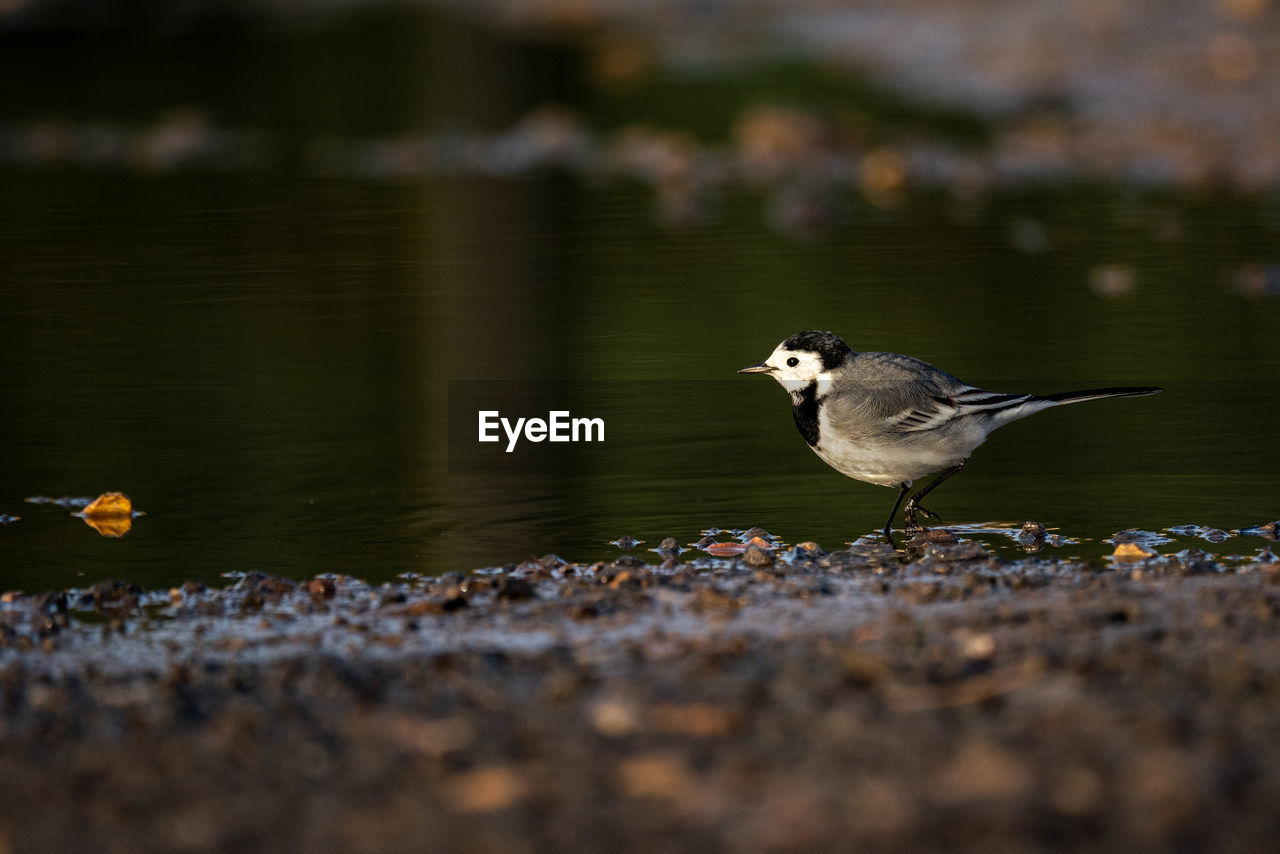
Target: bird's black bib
{"x": 804, "y": 408}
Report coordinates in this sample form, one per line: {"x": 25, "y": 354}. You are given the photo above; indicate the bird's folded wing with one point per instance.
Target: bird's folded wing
{"x": 935, "y": 410}
{"x": 890, "y": 393}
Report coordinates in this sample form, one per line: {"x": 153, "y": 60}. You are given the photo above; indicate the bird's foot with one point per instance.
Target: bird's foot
{"x": 928, "y": 512}
{"x": 909, "y": 514}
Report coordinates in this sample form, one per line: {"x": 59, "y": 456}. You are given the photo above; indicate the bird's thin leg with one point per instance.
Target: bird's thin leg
{"x": 913, "y": 503}
{"x": 888, "y": 526}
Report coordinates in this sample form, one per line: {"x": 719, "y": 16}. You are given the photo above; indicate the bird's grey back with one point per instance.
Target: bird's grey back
{"x": 876, "y": 386}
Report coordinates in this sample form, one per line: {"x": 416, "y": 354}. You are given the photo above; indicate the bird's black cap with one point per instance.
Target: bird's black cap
{"x": 829, "y": 346}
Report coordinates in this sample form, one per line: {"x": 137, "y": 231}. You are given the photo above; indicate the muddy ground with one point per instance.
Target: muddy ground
{"x": 847, "y": 701}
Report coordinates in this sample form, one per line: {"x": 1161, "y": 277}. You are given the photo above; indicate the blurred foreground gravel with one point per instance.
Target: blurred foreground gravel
{"x": 832, "y": 702}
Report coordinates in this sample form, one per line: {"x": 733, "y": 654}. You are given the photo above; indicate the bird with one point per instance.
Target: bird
{"x": 889, "y": 419}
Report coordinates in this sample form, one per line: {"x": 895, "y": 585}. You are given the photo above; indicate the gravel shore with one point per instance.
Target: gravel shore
{"x": 797, "y": 701}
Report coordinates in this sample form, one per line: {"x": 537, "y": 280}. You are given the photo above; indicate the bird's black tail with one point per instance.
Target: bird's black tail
{"x": 1097, "y": 393}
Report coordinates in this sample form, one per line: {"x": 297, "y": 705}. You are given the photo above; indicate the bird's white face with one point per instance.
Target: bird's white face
{"x": 794, "y": 369}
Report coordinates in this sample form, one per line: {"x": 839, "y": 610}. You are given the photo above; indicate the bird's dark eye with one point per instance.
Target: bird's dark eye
{"x": 792, "y": 362}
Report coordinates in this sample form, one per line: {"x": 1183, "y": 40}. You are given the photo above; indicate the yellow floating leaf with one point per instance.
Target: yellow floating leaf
{"x": 109, "y": 504}
{"x": 1132, "y": 551}
{"x": 110, "y": 514}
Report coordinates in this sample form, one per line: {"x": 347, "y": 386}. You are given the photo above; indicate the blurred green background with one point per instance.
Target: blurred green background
{"x": 245, "y": 258}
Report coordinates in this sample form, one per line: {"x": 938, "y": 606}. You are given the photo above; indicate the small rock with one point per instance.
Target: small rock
{"x": 626, "y": 542}
{"x": 1136, "y": 535}
{"x": 1213, "y": 535}
{"x": 804, "y": 551}
{"x": 1031, "y": 531}
{"x": 1197, "y": 562}
{"x": 1270, "y": 531}
{"x": 960, "y": 550}
{"x": 625, "y": 578}
{"x": 757, "y": 556}
{"x": 112, "y": 593}
{"x": 321, "y": 588}
{"x": 669, "y": 548}
{"x": 473, "y": 584}
{"x": 840, "y": 560}
{"x": 877, "y": 551}
{"x": 271, "y": 584}
{"x": 936, "y": 536}
{"x": 53, "y": 602}
{"x": 515, "y": 589}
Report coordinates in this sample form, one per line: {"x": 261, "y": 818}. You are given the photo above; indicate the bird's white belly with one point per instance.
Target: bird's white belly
{"x": 890, "y": 460}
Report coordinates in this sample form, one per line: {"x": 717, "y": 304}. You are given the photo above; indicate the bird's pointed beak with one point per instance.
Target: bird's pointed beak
{"x": 762, "y": 368}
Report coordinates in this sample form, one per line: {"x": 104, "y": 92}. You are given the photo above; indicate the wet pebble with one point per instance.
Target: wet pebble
{"x": 321, "y": 588}
{"x": 808, "y": 551}
{"x": 1197, "y": 562}
{"x": 669, "y": 549}
{"x": 1270, "y": 531}
{"x": 958, "y": 550}
{"x": 515, "y": 590}
{"x": 1137, "y": 535}
{"x": 628, "y": 562}
{"x": 1031, "y": 532}
{"x": 1213, "y": 535}
{"x": 111, "y": 593}
{"x": 756, "y": 556}
{"x": 935, "y": 536}
{"x": 53, "y": 602}
{"x": 625, "y": 579}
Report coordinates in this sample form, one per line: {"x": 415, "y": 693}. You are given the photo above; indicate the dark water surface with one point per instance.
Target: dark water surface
{"x": 267, "y": 361}
{"x": 265, "y": 367}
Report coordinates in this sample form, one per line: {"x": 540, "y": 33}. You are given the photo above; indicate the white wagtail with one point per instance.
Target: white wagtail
{"x": 889, "y": 419}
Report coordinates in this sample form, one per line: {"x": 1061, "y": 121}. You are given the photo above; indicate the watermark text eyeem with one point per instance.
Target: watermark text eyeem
{"x": 558, "y": 426}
